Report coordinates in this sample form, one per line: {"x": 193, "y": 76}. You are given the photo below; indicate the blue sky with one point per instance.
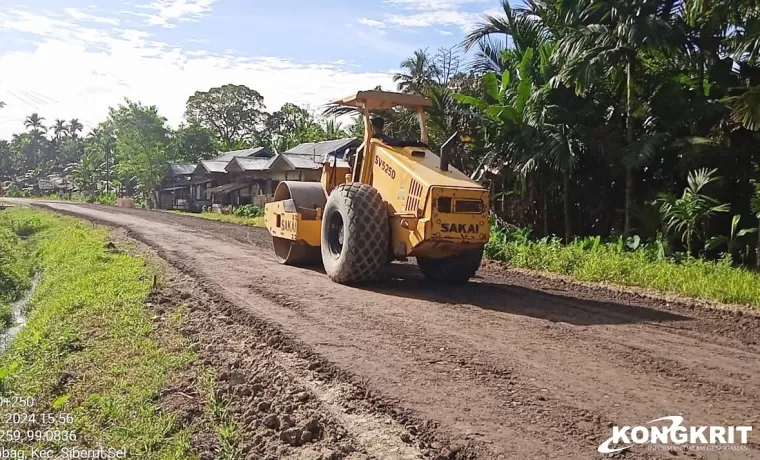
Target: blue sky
{"x": 75, "y": 58}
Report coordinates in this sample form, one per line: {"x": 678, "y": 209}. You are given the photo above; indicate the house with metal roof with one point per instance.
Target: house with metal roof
{"x": 249, "y": 176}
{"x": 175, "y": 188}
{"x": 210, "y": 181}
{"x": 254, "y": 180}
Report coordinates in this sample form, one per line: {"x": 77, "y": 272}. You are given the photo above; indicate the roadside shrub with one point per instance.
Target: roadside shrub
{"x": 106, "y": 198}
{"x": 14, "y": 191}
{"x": 627, "y": 262}
{"x": 14, "y": 279}
{"x": 248, "y": 210}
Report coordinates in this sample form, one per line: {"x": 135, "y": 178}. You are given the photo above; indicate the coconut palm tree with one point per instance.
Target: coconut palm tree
{"x": 36, "y": 130}
{"x": 420, "y": 71}
{"x": 60, "y": 128}
{"x": 75, "y": 127}
{"x": 334, "y": 130}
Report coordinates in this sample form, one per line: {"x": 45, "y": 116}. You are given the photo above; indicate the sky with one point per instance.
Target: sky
{"x": 76, "y": 58}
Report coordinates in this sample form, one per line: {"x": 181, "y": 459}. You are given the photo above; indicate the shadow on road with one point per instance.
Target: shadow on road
{"x": 405, "y": 280}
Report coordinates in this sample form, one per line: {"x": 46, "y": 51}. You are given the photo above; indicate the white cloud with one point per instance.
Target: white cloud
{"x": 424, "y": 5}
{"x": 436, "y": 18}
{"x": 176, "y": 10}
{"x": 372, "y": 23}
{"x": 79, "y": 72}
{"x": 87, "y": 17}
{"x": 428, "y": 13}
{"x": 444, "y": 32}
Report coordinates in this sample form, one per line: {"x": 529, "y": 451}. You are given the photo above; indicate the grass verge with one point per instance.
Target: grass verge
{"x": 645, "y": 266}
{"x": 16, "y": 268}
{"x": 91, "y": 348}
{"x": 246, "y": 221}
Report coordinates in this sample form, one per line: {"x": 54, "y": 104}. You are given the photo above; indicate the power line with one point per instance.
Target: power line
{"x": 23, "y": 100}
{"x": 53, "y": 101}
{"x": 33, "y": 98}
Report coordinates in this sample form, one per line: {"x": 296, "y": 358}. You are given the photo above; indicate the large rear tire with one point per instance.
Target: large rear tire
{"x": 452, "y": 270}
{"x": 354, "y": 234}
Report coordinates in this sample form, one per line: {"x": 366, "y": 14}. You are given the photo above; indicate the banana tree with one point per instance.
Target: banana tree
{"x": 532, "y": 122}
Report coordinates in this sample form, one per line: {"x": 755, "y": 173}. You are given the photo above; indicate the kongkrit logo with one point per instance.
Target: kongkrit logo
{"x": 626, "y": 437}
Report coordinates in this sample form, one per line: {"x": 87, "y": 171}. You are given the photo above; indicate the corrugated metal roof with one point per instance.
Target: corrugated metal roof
{"x": 321, "y": 150}
{"x": 301, "y": 161}
{"x": 252, "y": 164}
{"x": 214, "y": 166}
{"x": 246, "y": 153}
{"x": 180, "y": 169}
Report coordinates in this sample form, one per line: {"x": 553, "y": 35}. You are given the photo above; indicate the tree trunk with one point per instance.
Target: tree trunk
{"x": 566, "y": 204}
{"x": 757, "y": 250}
{"x": 546, "y": 214}
{"x": 629, "y": 141}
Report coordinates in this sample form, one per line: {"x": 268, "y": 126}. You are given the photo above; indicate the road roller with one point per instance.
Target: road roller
{"x": 393, "y": 200}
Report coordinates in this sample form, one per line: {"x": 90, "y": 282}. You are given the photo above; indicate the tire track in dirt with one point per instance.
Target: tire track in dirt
{"x": 514, "y": 371}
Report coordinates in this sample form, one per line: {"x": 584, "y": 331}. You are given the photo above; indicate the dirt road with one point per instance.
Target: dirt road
{"x": 509, "y": 366}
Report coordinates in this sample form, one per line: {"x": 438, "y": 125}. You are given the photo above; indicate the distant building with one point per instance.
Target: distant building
{"x": 247, "y": 176}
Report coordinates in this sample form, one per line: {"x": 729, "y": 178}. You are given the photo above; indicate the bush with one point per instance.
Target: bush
{"x": 106, "y": 198}
{"x": 248, "y": 210}
{"x": 14, "y": 270}
{"x": 627, "y": 262}
{"x": 14, "y": 191}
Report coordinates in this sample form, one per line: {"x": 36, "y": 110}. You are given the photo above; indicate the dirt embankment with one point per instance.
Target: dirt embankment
{"x": 285, "y": 401}
{"x": 510, "y": 366}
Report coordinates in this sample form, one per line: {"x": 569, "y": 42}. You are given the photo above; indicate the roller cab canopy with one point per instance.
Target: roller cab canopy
{"x": 374, "y": 100}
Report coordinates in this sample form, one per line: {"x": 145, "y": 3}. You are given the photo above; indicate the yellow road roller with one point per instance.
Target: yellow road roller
{"x": 395, "y": 199}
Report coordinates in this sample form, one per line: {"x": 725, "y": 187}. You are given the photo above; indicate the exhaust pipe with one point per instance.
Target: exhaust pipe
{"x": 445, "y": 149}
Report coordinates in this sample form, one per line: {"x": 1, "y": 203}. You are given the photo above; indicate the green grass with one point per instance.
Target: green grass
{"x": 16, "y": 268}
{"x": 229, "y": 218}
{"x": 92, "y": 342}
{"x": 646, "y": 266}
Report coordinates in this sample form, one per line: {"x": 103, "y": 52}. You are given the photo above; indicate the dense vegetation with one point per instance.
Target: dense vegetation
{"x": 129, "y": 151}
{"x": 638, "y": 118}
{"x": 622, "y": 117}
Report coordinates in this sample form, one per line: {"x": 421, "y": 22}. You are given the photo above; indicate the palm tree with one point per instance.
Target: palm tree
{"x": 688, "y": 215}
{"x": 334, "y": 130}
{"x": 34, "y": 121}
{"x": 516, "y": 29}
{"x": 612, "y": 39}
{"x": 420, "y": 71}
{"x": 75, "y": 127}
{"x": 60, "y": 128}
{"x": 519, "y": 46}
{"x": 36, "y": 129}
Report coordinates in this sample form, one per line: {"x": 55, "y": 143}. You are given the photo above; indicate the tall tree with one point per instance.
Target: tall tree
{"x": 60, "y": 128}
{"x": 419, "y": 73}
{"x": 192, "y": 142}
{"x": 612, "y": 38}
{"x": 75, "y": 127}
{"x": 36, "y": 131}
{"x": 233, "y": 113}
{"x": 141, "y": 151}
